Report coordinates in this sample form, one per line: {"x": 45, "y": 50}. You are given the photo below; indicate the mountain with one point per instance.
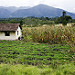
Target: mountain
{"x": 24, "y": 7}
{"x": 4, "y": 13}
{"x": 37, "y": 11}
{"x": 13, "y": 8}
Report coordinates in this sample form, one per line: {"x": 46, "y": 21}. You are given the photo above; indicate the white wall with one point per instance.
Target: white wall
{"x": 19, "y": 33}
{"x": 13, "y": 35}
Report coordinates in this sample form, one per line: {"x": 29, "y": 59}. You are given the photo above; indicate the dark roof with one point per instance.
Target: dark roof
{"x": 9, "y": 26}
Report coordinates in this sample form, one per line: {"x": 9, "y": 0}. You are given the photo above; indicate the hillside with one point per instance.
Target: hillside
{"x": 37, "y": 11}
{"x": 4, "y": 13}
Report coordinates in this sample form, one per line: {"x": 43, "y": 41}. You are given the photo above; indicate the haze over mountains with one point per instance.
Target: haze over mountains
{"x": 37, "y": 11}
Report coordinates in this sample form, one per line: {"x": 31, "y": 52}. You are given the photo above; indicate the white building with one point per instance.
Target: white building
{"x": 10, "y": 31}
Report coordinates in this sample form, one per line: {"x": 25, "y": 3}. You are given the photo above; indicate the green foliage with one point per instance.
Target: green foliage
{"x": 19, "y": 69}
{"x": 64, "y": 19}
{"x": 64, "y": 13}
{"x": 64, "y": 22}
{"x": 21, "y": 22}
{"x": 29, "y": 21}
{"x": 73, "y": 20}
{"x": 10, "y": 20}
{"x": 20, "y": 52}
{"x": 36, "y": 22}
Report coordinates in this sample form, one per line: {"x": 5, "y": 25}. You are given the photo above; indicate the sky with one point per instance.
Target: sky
{"x": 68, "y": 5}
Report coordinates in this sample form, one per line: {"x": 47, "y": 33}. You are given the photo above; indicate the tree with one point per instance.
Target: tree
{"x": 64, "y": 22}
{"x": 68, "y": 18}
{"x": 64, "y": 13}
{"x": 47, "y": 18}
{"x": 64, "y": 19}
{"x": 21, "y": 22}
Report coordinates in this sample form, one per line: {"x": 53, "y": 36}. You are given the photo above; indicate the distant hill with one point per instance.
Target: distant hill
{"x": 13, "y": 8}
{"x": 37, "y": 11}
{"x": 4, "y": 13}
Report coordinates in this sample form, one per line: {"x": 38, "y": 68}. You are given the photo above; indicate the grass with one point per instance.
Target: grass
{"x": 19, "y": 69}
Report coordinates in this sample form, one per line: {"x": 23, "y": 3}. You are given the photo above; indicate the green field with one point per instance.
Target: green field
{"x": 44, "y": 59}
{"x": 19, "y": 52}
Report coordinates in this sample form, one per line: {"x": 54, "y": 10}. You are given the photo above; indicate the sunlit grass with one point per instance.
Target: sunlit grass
{"x": 19, "y": 69}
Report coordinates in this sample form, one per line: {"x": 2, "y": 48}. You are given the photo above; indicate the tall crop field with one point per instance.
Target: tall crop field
{"x": 50, "y": 34}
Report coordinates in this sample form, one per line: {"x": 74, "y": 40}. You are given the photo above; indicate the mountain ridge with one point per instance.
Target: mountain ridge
{"x": 38, "y": 11}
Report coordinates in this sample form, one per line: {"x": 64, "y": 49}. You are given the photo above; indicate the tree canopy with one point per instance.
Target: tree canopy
{"x": 64, "y": 19}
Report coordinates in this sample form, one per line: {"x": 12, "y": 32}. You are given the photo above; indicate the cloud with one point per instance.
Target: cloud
{"x": 73, "y": 10}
